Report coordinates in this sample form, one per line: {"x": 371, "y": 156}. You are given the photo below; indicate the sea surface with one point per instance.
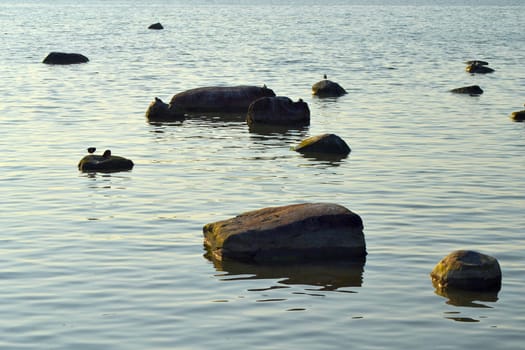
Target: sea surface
{"x": 116, "y": 260}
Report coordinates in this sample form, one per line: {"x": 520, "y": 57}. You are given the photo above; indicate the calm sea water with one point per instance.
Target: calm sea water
{"x": 115, "y": 261}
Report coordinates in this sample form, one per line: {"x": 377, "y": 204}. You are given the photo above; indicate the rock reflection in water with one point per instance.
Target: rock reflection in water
{"x": 330, "y": 276}
{"x": 459, "y": 297}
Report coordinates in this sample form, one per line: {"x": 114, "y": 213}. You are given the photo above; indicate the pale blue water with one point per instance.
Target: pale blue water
{"x": 115, "y": 261}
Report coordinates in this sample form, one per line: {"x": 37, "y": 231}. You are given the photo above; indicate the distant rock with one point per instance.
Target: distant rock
{"x": 65, "y": 58}
{"x": 518, "y": 116}
{"x": 324, "y": 144}
{"x": 473, "y": 90}
{"x": 478, "y": 68}
{"x": 477, "y": 62}
{"x": 156, "y": 26}
{"x": 104, "y": 163}
{"x": 467, "y": 270}
{"x": 278, "y": 110}
{"x": 327, "y": 88}
{"x": 300, "y": 232}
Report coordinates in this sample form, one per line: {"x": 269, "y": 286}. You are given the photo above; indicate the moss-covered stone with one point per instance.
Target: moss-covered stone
{"x": 468, "y": 270}
{"x": 518, "y": 116}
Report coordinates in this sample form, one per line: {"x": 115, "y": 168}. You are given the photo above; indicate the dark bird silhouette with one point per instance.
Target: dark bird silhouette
{"x": 91, "y": 149}
{"x": 107, "y": 153}
{"x": 325, "y": 77}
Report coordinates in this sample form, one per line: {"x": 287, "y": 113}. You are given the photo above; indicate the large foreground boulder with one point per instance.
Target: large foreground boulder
{"x": 104, "y": 163}
{"x": 472, "y": 90}
{"x": 65, "y": 58}
{"x": 211, "y": 99}
{"x": 278, "y": 110}
{"x": 327, "y": 88}
{"x": 467, "y": 270}
{"x": 323, "y": 144}
{"x": 300, "y": 232}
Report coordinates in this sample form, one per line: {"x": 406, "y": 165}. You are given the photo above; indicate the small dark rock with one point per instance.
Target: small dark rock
{"x": 327, "y": 88}
{"x": 473, "y": 90}
{"x": 518, "y": 116}
{"x": 156, "y": 26}
{"x": 65, "y": 58}
{"x": 104, "y": 163}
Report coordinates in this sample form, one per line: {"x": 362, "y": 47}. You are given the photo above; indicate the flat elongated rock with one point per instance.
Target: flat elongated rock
{"x": 467, "y": 270}
{"x": 325, "y": 143}
{"x": 65, "y": 58}
{"x": 299, "y": 232}
{"x": 472, "y": 90}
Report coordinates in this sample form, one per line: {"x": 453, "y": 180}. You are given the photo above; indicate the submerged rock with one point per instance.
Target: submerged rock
{"x": 325, "y": 143}
{"x": 300, "y": 232}
{"x": 473, "y": 90}
{"x": 278, "y": 110}
{"x": 327, "y": 88}
{"x": 467, "y": 270}
{"x": 104, "y": 163}
{"x": 65, "y": 58}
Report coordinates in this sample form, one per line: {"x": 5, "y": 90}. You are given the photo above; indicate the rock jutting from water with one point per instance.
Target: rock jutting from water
{"x": 278, "y": 110}
{"x": 323, "y": 144}
{"x": 472, "y": 90}
{"x": 156, "y": 26}
{"x": 327, "y": 88}
{"x": 467, "y": 270}
{"x": 477, "y": 66}
{"x": 518, "y": 116}
{"x": 211, "y": 99}
{"x": 63, "y": 58}
{"x": 292, "y": 233}
{"x": 104, "y": 163}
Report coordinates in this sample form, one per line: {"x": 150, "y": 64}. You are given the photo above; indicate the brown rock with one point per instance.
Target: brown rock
{"x": 300, "y": 232}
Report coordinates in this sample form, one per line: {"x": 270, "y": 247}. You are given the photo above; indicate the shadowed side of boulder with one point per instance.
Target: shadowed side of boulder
{"x": 467, "y": 270}
{"x": 324, "y": 144}
{"x": 278, "y": 110}
{"x": 472, "y": 90}
{"x": 300, "y": 232}
{"x": 160, "y": 111}
{"x": 65, "y": 58}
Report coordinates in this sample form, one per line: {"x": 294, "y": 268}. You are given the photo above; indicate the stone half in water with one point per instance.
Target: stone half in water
{"x": 104, "y": 163}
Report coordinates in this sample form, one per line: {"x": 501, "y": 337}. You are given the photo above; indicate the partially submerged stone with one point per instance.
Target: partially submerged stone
{"x": 473, "y": 90}
{"x": 63, "y": 58}
{"x": 518, "y": 116}
{"x": 467, "y": 270}
{"x": 278, "y": 110}
{"x": 156, "y": 26}
{"x": 104, "y": 163}
{"x": 478, "y": 66}
{"x": 323, "y": 144}
{"x": 299, "y": 232}
{"x": 327, "y": 88}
